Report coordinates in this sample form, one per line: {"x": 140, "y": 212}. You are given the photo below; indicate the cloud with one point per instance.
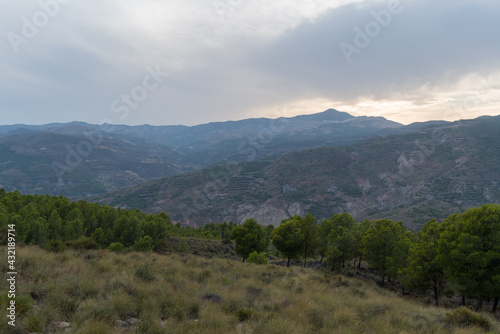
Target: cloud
{"x": 428, "y": 43}
{"x": 231, "y": 59}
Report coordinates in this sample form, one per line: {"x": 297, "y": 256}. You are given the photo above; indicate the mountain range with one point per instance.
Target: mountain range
{"x": 267, "y": 169}
{"x": 81, "y": 160}
{"x": 439, "y": 169}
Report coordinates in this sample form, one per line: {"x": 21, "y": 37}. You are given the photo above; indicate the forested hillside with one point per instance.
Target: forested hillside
{"x": 461, "y": 254}
{"x": 56, "y": 222}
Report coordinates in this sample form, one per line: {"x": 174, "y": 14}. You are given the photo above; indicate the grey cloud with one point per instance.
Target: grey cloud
{"x": 75, "y": 70}
{"x": 429, "y": 42}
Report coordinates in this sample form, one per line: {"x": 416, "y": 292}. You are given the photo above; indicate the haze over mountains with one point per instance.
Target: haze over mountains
{"x": 261, "y": 168}
{"x": 433, "y": 172}
{"x": 79, "y": 159}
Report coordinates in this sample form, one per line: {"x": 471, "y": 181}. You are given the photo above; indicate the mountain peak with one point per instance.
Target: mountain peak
{"x": 327, "y": 115}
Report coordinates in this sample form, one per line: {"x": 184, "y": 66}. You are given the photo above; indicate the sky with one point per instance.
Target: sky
{"x": 190, "y": 62}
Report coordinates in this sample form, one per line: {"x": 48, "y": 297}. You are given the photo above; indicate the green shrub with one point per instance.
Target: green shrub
{"x": 258, "y": 258}
{"x": 23, "y": 303}
{"x": 179, "y": 314}
{"x": 167, "y": 306}
{"x": 244, "y": 314}
{"x": 34, "y": 322}
{"x": 144, "y": 244}
{"x": 55, "y": 246}
{"x": 116, "y": 247}
{"x": 67, "y": 305}
{"x": 316, "y": 318}
{"x": 83, "y": 243}
{"x": 225, "y": 280}
{"x": 465, "y": 317}
{"x": 182, "y": 246}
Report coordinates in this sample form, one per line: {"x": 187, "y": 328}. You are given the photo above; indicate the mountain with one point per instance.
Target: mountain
{"x": 439, "y": 169}
{"x": 208, "y": 144}
{"x": 78, "y": 159}
{"x": 79, "y": 165}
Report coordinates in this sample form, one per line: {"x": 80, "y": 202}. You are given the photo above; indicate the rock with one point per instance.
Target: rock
{"x": 62, "y": 324}
{"x": 265, "y": 212}
{"x": 121, "y": 324}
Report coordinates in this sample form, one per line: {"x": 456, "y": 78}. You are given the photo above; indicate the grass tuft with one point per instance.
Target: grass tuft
{"x": 244, "y": 314}
{"x": 145, "y": 273}
{"x": 465, "y": 317}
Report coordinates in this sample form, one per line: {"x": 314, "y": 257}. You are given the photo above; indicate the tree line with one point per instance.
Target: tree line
{"x": 462, "y": 252}
{"x": 55, "y": 222}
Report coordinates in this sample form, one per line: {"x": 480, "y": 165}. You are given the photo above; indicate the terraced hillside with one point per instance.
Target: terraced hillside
{"x": 432, "y": 172}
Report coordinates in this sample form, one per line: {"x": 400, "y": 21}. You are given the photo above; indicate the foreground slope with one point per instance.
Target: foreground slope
{"x": 104, "y": 292}
{"x": 432, "y": 172}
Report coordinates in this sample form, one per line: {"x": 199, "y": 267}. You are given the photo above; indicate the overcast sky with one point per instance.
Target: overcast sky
{"x": 196, "y": 61}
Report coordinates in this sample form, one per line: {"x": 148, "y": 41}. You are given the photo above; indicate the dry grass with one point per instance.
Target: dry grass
{"x": 105, "y": 292}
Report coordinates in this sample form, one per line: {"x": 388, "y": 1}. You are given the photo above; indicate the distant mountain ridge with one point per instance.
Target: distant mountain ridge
{"x": 58, "y": 164}
{"x": 94, "y": 159}
{"x": 433, "y": 171}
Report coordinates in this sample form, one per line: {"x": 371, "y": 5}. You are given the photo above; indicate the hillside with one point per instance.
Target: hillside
{"x": 216, "y": 141}
{"x": 94, "y": 159}
{"x": 437, "y": 170}
{"x": 97, "y": 291}
{"x": 77, "y": 165}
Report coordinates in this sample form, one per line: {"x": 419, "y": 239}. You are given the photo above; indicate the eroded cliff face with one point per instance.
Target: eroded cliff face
{"x": 266, "y": 214}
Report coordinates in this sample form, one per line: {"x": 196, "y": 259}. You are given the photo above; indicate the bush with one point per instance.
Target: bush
{"x": 144, "y": 244}
{"x": 182, "y": 246}
{"x": 83, "y": 243}
{"x": 116, "y": 247}
{"x": 244, "y": 314}
{"x": 465, "y": 317}
{"x": 34, "y": 323}
{"x": 258, "y": 258}
{"x": 67, "y": 305}
{"x": 55, "y": 246}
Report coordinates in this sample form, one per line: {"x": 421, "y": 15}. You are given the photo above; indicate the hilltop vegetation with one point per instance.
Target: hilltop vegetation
{"x": 101, "y": 292}
{"x": 462, "y": 254}
{"x": 55, "y": 222}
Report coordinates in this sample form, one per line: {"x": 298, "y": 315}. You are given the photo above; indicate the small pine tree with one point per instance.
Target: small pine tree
{"x": 116, "y": 247}
{"x": 257, "y": 258}
{"x": 144, "y": 244}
